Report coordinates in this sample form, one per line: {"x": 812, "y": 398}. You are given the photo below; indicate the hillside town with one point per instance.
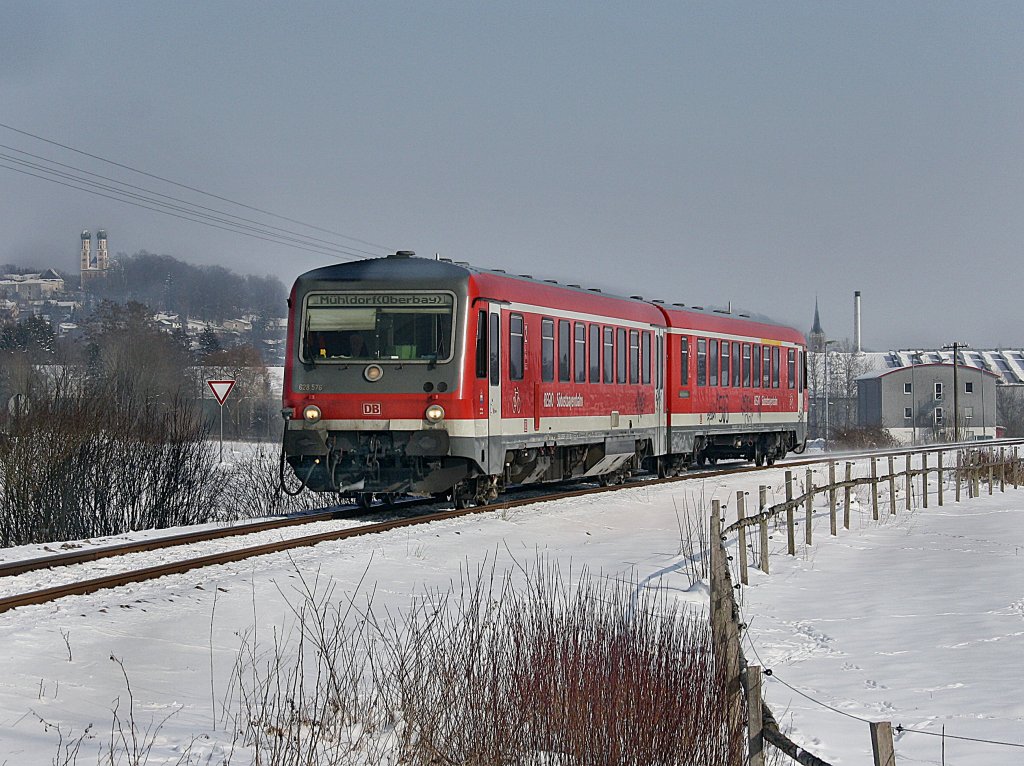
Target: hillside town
{"x": 64, "y": 301}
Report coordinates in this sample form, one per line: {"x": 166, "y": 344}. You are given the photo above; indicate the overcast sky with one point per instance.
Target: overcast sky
{"x": 759, "y": 153}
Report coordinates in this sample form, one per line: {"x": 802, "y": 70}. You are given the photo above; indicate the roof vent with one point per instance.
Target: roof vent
{"x": 445, "y": 260}
{"x": 697, "y": 308}
{"x": 576, "y": 286}
{"x": 403, "y": 254}
{"x": 657, "y": 300}
{"x": 637, "y": 297}
{"x": 594, "y": 289}
{"x": 551, "y": 281}
{"x": 680, "y": 305}
{"x": 499, "y": 271}
{"x": 526, "y": 276}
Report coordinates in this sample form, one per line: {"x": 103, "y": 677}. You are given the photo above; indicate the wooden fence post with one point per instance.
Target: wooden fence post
{"x": 892, "y": 487}
{"x": 1002, "y": 469}
{"x": 908, "y": 483}
{"x": 762, "y": 502}
{"x": 755, "y": 737}
{"x": 1016, "y": 468}
{"x": 881, "y": 743}
{"x": 724, "y": 629}
{"x": 832, "y": 497}
{"x": 809, "y": 508}
{"x": 942, "y": 479}
{"x": 790, "y": 525}
{"x": 957, "y": 472}
{"x": 991, "y": 477}
{"x": 741, "y": 513}
{"x": 846, "y": 496}
{"x": 924, "y": 479}
{"x": 874, "y": 488}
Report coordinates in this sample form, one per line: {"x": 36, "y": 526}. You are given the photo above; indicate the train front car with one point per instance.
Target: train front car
{"x": 372, "y": 396}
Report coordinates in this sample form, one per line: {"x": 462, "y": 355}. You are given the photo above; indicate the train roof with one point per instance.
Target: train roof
{"x": 428, "y": 272}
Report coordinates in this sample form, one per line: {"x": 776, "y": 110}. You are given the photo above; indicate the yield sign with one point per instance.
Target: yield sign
{"x": 221, "y": 389}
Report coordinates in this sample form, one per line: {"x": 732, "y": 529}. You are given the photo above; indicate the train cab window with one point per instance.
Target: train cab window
{"x": 620, "y": 355}
{"x": 803, "y": 370}
{"x": 766, "y": 371}
{"x": 791, "y": 368}
{"x": 713, "y": 362}
{"x": 746, "y": 365}
{"x": 481, "y": 345}
{"x": 407, "y": 327}
{"x": 645, "y": 358}
{"x": 776, "y": 364}
{"x": 634, "y": 356}
{"x": 756, "y": 374}
{"x": 684, "y": 361}
{"x": 609, "y": 355}
{"x": 564, "y": 351}
{"x": 724, "y": 380}
{"x": 494, "y": 347}
{"x": 547, "y": 350}
{"x": 516, "y": 346}
{"x": 580, "y": 352}
{"x": 736, "y": 371}
{"x": 595, "y": 353}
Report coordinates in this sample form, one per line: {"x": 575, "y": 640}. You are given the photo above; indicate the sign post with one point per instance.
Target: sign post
{"x": 221, "y": 389}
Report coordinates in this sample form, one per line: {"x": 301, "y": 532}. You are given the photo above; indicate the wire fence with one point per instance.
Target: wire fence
{"x": 970, "y": 470}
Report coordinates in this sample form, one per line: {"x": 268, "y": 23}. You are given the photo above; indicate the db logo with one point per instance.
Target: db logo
{"x": 371, "y": 408}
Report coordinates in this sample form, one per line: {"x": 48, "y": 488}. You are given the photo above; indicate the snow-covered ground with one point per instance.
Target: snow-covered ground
{"x": 917, "y": 619}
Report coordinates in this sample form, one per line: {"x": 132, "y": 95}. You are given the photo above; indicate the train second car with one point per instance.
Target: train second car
{"x": 408, "y": 375}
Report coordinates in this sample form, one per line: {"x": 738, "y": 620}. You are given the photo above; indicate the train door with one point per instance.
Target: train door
{"x": 494, "y": 457}
{"x": 661, "y": 431}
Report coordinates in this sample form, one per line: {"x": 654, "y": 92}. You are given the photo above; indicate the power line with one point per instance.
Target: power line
{"x": 188, "y": 212}
{"x": 157, "y": 210}
{"x": 187, "y": 187}
{"x": 194, "y": 206}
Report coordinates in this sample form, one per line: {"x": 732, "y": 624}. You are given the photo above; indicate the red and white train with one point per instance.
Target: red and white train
{"x": 409, "y": 375}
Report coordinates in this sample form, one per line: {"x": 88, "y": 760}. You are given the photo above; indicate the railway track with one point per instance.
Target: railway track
{"x": 404, "y": 519}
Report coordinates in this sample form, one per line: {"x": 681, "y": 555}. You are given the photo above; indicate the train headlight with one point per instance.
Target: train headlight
{"x": 311, "y": 414}
{"x": 373, "y": 373}
{"x": 434, "y": 413}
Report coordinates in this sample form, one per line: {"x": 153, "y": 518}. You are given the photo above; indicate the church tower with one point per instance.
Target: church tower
{"x": 816, "y": 338}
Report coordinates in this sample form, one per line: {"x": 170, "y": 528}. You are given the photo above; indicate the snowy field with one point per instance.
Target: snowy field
{"x": 917, "y": 619}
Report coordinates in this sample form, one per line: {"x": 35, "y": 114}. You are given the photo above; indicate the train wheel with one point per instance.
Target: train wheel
{"x": 758, "y": 455}
{"x": 701, "y": 458}
{"x": 463, "y": 495}
{"x": 364, "y": 500}
{"x": 390, "y": 498}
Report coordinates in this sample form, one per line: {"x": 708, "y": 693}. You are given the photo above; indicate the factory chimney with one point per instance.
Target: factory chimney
{"x": 856, "y": 323}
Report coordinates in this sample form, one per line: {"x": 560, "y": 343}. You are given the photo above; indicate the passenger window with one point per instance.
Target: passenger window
{"x": 724, "y": 380}
{"x": 645, "y": 358}
{"x": 746, "y": 365}
{"x": 580, "y": 351}
{"x": 609, "y": 355}
{"x": 595, "y": 353}
{"x": 547, "y": 350}
{"x": 564, "y": 349}
{"x": 684, "y": 361}
{"x": 495, "y": 348}
{"x": 791, "y": 368}
{"x": 713, "y": 363}
{"x": 516, "y": 347}
{"x": 481, "y": 345}
{"x": 702, "y": 361}
{"x": 620, "y": 355}
{"x": 776, "y": 357}
{"x": 634, "y": 356}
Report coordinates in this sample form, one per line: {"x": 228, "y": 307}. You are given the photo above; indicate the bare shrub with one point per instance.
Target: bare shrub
{"x": 510, "y": 670}
{"x": 88, "y": 459}
{"x": 251, "y": 487}
{"x": 863, "y": 437}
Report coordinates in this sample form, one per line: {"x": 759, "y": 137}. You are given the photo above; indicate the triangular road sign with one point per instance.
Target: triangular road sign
{"x": 221, "y": 389}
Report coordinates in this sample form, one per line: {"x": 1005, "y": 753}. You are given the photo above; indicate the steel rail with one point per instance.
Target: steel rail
{"x": 238, "y": 554}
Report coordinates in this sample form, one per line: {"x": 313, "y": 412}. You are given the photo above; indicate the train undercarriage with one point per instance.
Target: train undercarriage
{"x": 365, "y": 466}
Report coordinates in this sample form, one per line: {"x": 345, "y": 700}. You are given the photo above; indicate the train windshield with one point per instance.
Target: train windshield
{"x": 406, "y": 326}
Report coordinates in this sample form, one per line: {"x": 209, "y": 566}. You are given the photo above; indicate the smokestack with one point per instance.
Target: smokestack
{"x": 856, "y": 322}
